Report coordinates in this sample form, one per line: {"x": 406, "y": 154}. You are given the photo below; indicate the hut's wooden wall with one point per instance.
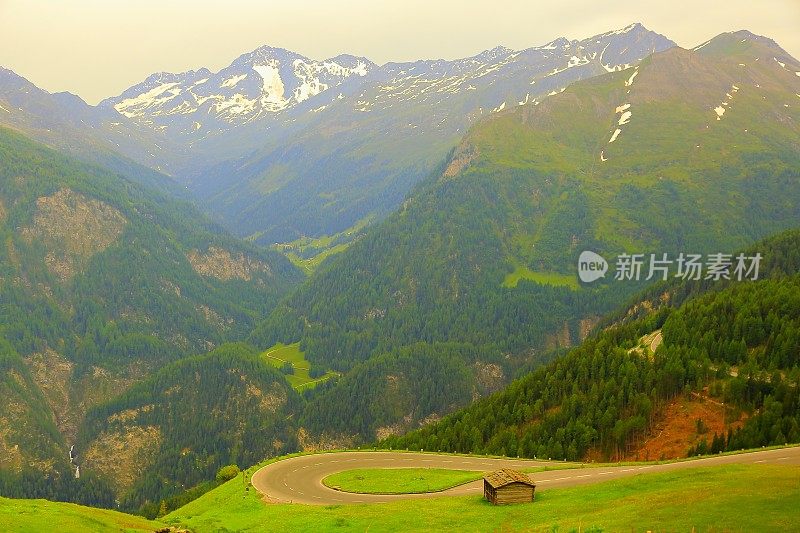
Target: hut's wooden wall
{"x": 514, "y": 493}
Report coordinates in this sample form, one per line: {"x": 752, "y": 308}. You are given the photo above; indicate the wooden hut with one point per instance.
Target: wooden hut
{"x": 508, "y": 486}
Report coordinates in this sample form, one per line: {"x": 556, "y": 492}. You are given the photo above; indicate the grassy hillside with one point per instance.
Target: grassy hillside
{"x": 704, "y": 499}
{"x": 22, "y": 516}
{"x": 481, "y": 252}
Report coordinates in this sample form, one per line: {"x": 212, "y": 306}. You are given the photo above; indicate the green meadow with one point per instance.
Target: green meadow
{"x": 36, "y": 516}
{"x": 280, "y": 354}
{"x": 545, "y": 278}
{"x": 409, "y": 480}
{"x": 399, "y": 480}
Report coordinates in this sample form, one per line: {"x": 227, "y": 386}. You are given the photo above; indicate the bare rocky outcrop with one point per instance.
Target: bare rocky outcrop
{"x": 214, "y": 318}
{"x": 53, "y": 373}
{"x": 10, "y": 454}
{"x": 69, "y": 396}
{"x": 489, "y": 377}
{"x": 220, "y": 264}
{"x": 73, "y": 228}
{"x": 559, "y": 339}
{"x": 461, "y": 160}
{"x": 586, "y": 325}
{"x": 122, "y": 455}
{"x": 324, "y": 442}
{"x": 269, "y": 400}
{"x": 16, "y": 416}
{"x": 390, "y": 430}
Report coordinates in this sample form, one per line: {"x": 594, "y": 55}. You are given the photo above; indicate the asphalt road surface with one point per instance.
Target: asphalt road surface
{"x": 299, "y": 479}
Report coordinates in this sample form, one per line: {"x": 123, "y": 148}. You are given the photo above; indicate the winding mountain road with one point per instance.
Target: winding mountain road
{"x": 299, "y": 479}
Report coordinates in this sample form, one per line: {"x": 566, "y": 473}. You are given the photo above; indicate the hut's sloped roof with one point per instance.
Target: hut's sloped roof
{"x": 506, "y": 476}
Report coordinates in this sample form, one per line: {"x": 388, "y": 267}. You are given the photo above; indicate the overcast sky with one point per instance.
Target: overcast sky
{"x": 97, "y": 48}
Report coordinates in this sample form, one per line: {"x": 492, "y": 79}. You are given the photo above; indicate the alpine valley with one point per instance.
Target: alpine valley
{"x": 290, "y": 254}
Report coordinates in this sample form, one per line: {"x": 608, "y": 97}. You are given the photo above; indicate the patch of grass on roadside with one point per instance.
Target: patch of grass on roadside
{"x": 399, "y": 480}
{"x": 281, "y": 354}
{"x": 708, "y": 498}
{"x": 409, "y": 480}
{"x": 43, "y": 515}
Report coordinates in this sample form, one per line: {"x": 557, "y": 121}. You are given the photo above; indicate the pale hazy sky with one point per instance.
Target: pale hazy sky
{"x": 97, "y": 48}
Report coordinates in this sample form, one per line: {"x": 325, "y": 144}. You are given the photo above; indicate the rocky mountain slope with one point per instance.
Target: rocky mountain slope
{"x": 101, "y": 282}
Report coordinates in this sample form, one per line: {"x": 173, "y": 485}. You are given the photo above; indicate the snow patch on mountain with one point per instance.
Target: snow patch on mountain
{"x": 629, "y": 81}
{"x": 574, "y": 61}
{"x": 134, "y": 107}
{"x": 616, "y": 68}
{"x": 272, "y": 86}
{"x": 720, "y": 109}
{"x": 696, "y": 48}
{"x": 230, "y": 82}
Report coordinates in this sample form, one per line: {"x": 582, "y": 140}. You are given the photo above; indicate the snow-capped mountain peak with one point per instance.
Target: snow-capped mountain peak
{"x": 257, "y": 84}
